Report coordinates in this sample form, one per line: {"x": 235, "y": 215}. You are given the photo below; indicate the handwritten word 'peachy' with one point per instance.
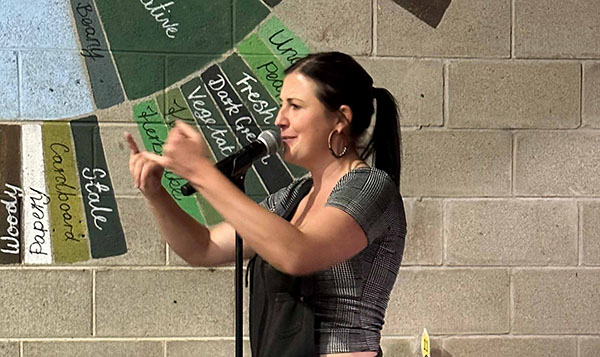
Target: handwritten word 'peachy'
{"x": 162, "y": 17}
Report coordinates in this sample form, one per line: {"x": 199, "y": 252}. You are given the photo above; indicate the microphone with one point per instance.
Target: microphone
{"x": 236, "y": 164}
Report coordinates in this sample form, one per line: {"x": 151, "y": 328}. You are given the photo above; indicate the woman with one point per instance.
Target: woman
{"x": 326, "y": 251}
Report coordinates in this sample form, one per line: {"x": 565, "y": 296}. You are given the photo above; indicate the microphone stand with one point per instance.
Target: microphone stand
{"x": 233, "y": 168}
{"x": 239, "y": 275}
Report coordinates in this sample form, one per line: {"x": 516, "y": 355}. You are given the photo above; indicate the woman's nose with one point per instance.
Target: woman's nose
{"x": 280, "y": 119}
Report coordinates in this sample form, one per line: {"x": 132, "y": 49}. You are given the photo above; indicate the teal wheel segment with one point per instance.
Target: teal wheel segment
{"x": 107, "y": 238}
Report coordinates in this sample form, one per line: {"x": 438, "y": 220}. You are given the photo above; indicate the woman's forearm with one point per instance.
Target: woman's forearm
{"x": 186, "y": 236}
{"x": 257, "y": 226}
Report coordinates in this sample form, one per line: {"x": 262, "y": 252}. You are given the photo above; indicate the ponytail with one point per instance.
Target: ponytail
{"x": 385, "y": 142}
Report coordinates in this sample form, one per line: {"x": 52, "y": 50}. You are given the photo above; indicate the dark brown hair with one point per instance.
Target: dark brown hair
{"x": 341, "y": 80}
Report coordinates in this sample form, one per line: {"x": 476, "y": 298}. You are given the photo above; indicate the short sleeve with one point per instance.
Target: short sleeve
{"x": 370, "y": 197}
{"x": 279, "y": 201}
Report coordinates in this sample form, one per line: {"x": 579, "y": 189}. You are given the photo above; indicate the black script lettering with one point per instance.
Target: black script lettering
{"x": 293, "y": 56}
{"x": 175, "y": 183}
{"x": 176, "y": 108}
{"x": 38, "y": 225}
{"x": 150, "y": 132}
{"x": 271, "y": 75}
{"x": 61, "y": 184}
{"x": 93, "y": 43}
{"x": 40, "y": 238}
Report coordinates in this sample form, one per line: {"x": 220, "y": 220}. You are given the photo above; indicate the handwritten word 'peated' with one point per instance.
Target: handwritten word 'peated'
{"x": 38, "y": 202}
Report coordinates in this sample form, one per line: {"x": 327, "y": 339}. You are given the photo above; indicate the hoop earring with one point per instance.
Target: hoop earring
{"x": 337, "y": 156}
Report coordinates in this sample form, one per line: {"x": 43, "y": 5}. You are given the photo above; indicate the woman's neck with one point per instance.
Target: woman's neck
{"x": 328, "y": 173}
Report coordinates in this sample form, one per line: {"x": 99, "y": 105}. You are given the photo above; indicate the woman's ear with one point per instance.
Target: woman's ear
{"x": 345, "y": 116}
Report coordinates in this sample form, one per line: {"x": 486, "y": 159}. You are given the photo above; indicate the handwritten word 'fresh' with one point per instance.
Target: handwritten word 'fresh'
{"x": 259, "y": 105}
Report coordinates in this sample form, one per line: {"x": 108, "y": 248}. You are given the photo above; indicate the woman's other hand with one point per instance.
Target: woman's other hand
{"x": 184, "y": 152}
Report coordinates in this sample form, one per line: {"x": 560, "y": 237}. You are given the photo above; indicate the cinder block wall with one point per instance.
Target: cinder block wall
{"x": 501, "y": 179}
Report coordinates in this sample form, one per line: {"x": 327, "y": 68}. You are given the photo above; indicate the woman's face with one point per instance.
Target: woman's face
{"x": 304, "y": 121}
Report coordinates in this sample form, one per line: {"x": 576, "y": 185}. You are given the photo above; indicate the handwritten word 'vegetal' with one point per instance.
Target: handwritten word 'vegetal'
{"x": 162, "y": 17}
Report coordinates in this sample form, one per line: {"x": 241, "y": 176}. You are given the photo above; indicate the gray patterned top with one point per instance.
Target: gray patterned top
{"x": 351, "y": 297}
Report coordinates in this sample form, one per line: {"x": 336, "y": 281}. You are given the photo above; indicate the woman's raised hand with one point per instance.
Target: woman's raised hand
{"x": 184, "y": 153}
{"x": 145, "y": 171}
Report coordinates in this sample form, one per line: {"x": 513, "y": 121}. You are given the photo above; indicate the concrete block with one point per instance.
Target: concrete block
{"x": 326, "y": 25}
{"x": 511, "y": 346}
{"x": 164, "y": 303}
{"x": 469, "y": 28}
{"x": 54, "y": 85}
{"x": 589, "y": 346}
{"x": 36, "y": 24}
{"x": 591, "y": 100}
{"x": 43, "y": 303}
{"x": 402, "y": 346}
{"x": 144, "y": 243}
{"x": 552, "y": 163}
{"x": 590, "y": 233}
{"x": 456, "y": 163}
{"x": 417, "y": 86}
{"x": 221, "y": 348}
{"x": 94, "y": 348}
{"x": 555, "y": 301}
{"x": 449, "y": 301}
{"x": 9, "y": 349}
{"x": 519, "y": 94}
{"x": 424, "y": 239}
{"x": 511, "y": 232}
{"x": 555, "y": 28}
{"x": 9, "y": 80}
